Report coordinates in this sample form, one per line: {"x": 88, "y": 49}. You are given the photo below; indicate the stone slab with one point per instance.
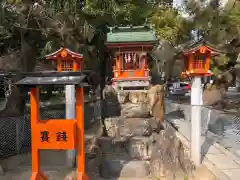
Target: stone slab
{"x": 123, "y": 168}
{"x": 217, "y": 172}
{"x": 110, "y": 144}
{"x": 234, "y": 174}
{"x": 222, "y": 161}
{"x": 209, "y": 148}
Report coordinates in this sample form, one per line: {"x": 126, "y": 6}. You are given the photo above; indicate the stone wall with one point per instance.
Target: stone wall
{"x": 210, "y": 117}
{"x": 162, "y": 154}
{"x": 133, "y": 149}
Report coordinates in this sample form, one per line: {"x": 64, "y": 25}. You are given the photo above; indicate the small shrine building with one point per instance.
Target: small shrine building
{"x": 130, "y": 47}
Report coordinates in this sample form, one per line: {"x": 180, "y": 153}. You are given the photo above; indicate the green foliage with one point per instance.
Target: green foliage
{"x": 234, "y": 15}
{"x": 81, "y": 26}
{"x": 4, "y": 35}
{"x": 166, "y": 22}
{"x": 119, "y": 12}
{"x": 213, "y": 23}
{"x": 215, "y": 71}
{"x": 223, "y": 60}
{"x": 220, "y": 26}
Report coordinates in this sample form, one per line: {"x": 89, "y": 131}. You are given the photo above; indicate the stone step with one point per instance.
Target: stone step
{"x": 110, "y": 144}
{"x": 137, "y": 147}
{"x": 113, "y": 168}
{"x": 130, "y": 126}
{"x": 140, "y": 147}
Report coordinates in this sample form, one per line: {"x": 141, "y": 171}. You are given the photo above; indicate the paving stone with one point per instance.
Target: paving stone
{"x": 234, "y": 174}
{"x": 125, "y": 169}
{"x": 222, "y": 161}
{"x": 202, "y": 173}
{"x": 210, "y": 149}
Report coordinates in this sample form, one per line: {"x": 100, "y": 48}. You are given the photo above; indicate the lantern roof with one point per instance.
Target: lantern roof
{"x": 58, "y": 79}
{"x": 63, "y": 52}
{"x": 195, "y": 46}
{"x": 131, "y": 35}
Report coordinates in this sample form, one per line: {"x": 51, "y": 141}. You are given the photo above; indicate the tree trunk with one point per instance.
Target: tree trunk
{"x": 103, "y": 64}
{"x": 16, "y": 101}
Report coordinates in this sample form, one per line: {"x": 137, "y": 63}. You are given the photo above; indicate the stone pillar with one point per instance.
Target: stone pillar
{"x": 196, "y": 102}
{"x": 70, "y": 114}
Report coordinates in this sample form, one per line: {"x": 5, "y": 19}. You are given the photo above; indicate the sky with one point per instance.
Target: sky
{"x": 177, "y": 3}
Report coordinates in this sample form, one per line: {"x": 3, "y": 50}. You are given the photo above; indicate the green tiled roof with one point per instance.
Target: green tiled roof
{"x": 131, "y": 34}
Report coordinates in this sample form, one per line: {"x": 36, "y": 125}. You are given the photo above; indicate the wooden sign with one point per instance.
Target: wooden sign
{"x": 55, "y": 134}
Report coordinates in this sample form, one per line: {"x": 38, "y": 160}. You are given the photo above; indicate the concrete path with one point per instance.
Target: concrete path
{"x": 223, "y": 164}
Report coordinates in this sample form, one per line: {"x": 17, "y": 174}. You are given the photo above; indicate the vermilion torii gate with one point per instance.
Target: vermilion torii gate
{"x": 56, "y": 133}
